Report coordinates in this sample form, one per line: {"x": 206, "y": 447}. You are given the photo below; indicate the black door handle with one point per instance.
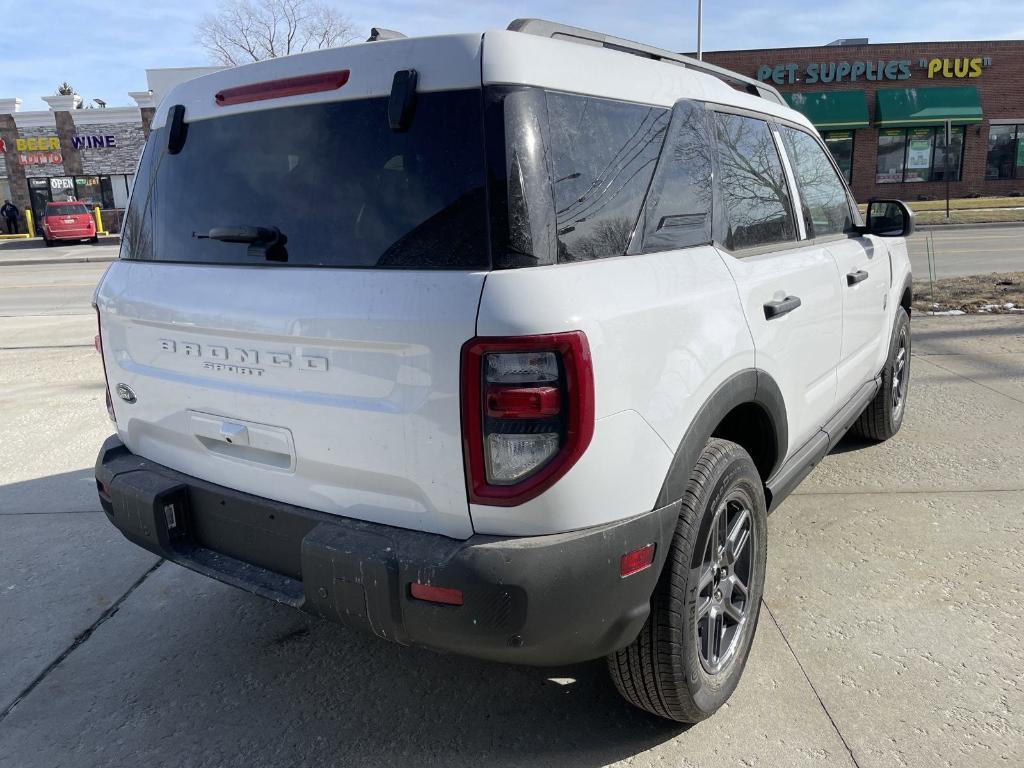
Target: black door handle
{"x": 780, "y": 308}
{"x": 853, "y": 278}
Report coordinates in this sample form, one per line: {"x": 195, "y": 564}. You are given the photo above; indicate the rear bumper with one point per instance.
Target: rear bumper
{"x": 542, "y": 600}
{"x": 82, "y": 233}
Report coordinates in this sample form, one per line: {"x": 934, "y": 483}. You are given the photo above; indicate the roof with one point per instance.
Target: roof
{"x": 449, "y": 62}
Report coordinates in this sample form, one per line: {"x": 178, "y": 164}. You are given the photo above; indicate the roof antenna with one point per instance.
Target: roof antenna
{"x": 379, "y": 33}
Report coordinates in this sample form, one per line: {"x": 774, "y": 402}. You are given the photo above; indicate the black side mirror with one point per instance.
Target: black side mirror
{"x": 889, "y": 218}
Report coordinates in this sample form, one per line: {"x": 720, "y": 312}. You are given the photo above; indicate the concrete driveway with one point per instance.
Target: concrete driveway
{"x": 891, "y": 631}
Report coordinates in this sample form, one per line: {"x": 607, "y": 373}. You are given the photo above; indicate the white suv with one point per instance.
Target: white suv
{"x": 500, "y": 344}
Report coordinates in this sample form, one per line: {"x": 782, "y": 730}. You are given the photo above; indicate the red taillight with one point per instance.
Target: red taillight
{"x": 287, "y": 86}
{"x": 523, "y": 402}
{"x": 98, "y": 343}
{"x": 432, "y": 594}
{"x": 636, "y": 561}
{"x": 527, "y": 413}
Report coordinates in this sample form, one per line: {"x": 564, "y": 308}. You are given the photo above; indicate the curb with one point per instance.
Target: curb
{"x": 72, "y": 260}
{"x": 969, "y": 225}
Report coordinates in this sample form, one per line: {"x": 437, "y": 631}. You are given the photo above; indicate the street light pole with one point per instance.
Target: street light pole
{"x": 945, "y": 161}
{"x": 700, "y": 13}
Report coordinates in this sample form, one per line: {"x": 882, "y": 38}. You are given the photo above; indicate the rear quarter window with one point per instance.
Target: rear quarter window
{"x": 603, "y": 155}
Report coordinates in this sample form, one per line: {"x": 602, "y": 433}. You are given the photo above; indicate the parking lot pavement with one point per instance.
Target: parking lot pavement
{"x": 891, "y": 633}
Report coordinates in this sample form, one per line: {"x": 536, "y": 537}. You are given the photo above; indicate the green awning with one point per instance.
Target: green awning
{"x": 830, "y": 110}
{"x": 927, "y": 106}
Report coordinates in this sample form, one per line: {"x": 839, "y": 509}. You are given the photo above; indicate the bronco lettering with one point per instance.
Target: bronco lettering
{"x": 246, "y": 355}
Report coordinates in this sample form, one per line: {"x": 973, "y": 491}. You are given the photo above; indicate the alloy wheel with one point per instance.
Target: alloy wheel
{"x": 900, "y": 374}
{"x": 723, "y": 594}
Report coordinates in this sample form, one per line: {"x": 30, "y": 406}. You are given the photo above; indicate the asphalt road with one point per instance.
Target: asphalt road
{"x": 67, "y": 288}
{"x": 890, "y": 635}
{"x": 50, "y": 289}
{"x": 971, "y": 251}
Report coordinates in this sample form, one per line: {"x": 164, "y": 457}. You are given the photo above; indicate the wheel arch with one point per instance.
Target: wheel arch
{"x": 748, "y": 409}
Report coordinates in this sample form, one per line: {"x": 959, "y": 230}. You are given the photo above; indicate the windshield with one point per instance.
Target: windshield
{"x": 334, "y": 179}
{"x": 66, "y": 209}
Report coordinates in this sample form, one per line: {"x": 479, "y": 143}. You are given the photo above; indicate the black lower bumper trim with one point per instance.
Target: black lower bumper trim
{"x": 543, "y": 600}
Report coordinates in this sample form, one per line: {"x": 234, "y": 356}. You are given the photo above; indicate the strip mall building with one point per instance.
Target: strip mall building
{"x": 67, "y": 152}
{"x": 882, "y": 108}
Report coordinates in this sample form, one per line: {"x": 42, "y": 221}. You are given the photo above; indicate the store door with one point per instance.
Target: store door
{"x": 39, "y": 195}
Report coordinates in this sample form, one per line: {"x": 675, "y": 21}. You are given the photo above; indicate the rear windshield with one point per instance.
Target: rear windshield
{"x": 66, "y": 209}
{"x": 335, "y": 179}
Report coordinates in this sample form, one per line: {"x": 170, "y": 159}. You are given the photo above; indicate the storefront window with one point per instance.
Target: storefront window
{"x": 918, "y": 154}
{"x": 62, "y": 188}
{"x": 956, "y": 152}
{"x": 87, "y": 189}
{"x": 840, "y": 144}
{"x": 891, "y": 146}
{"x": 1005, "y": 152}
{"x": 95, "y": 191}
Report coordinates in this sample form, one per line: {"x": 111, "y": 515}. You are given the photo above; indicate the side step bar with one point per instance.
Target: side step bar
{"x": 800, "y": 464}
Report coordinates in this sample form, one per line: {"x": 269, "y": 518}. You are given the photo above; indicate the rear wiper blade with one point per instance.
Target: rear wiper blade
{"x": 264, "y": 242}
{"x": 240, "y": 234}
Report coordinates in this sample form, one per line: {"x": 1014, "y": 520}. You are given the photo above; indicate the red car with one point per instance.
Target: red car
{"x": 68, "y": 221}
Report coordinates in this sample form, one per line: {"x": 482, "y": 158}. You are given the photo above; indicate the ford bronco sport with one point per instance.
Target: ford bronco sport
{"x": 499, "y": 344}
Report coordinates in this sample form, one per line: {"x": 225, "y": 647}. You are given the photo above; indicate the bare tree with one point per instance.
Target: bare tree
{"x": 243, "y": 31}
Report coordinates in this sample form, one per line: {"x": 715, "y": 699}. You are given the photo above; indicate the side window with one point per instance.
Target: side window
{"x": 825, "y": 204}
{"x": 602, "y": 155}
{"x": 678, "y": 212}
{"x": 755, "y": 196}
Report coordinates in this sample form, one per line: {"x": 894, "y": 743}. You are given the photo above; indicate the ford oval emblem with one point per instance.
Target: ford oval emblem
{"x": 126, "y": 393}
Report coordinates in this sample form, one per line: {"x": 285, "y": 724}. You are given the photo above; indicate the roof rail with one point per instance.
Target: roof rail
{"x": 571, "y": 34}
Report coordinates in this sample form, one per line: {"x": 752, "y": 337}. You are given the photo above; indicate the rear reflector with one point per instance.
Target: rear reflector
{"x": 637, "y": 560}
{"x": 432, "y": 594}
{"x": 287, "y": 86}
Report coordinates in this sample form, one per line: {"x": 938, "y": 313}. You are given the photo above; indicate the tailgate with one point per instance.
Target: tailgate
{"x": 332, "y": 389}
{"x": 301, "y": 263}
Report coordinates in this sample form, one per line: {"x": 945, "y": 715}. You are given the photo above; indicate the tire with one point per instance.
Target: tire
{"x": 668, "y": 669}
{"x": 48, "y": 241}
{"x": 884, "y": 415}
{"x": 94, "y": 240}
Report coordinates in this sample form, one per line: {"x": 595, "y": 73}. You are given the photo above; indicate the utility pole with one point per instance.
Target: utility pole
{"x": 700, "y": 20}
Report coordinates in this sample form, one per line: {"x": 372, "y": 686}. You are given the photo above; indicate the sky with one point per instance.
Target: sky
{"x": 103, "y": 48}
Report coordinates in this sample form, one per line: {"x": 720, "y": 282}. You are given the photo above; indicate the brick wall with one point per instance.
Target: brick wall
{"x": 1000, "y": 89}
{"x": 14, "y": 172}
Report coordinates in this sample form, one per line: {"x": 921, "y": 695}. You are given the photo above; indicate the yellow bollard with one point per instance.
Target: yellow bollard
{"x": 29, "y": 223}
{"x": 99, "y": 221}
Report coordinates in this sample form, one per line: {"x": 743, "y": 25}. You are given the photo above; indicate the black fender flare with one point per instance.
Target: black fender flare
{"x": 908, "y": 285}
{"x": 747, "y": 386}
